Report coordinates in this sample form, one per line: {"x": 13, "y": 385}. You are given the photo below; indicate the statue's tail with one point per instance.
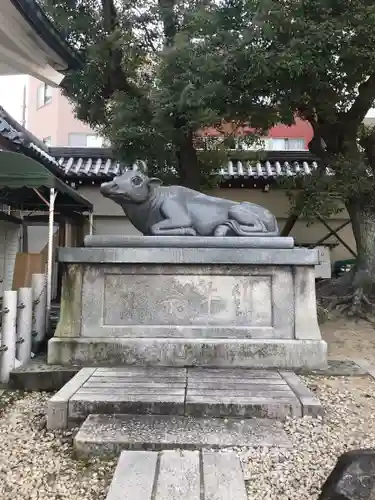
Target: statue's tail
{"x": 259, "y": 229}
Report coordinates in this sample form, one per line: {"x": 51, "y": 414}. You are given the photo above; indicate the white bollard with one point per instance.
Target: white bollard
{"x": 8, "y": 335}
{"x": 39, "y": 307}
{"x": 24, "y": 324}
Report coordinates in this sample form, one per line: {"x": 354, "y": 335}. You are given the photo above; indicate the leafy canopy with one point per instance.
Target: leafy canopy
{"x": 151, "y": 80}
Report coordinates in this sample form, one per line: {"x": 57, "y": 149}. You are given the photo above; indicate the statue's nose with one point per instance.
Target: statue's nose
{"x": 105, "y": 187}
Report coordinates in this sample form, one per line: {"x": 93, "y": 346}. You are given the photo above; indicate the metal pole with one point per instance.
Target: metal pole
{"x": 91, "y": 223}
{"x": 24, "y": 324}
{"x": 8, "y": 335}
{"x": 38, "y": 285}
{"x": 52, "y": 198}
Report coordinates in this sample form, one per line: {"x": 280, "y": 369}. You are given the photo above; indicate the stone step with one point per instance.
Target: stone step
{"x": 108, "y": 435}
{"x": 176, "y": 475}
{"x": 198, "y": 392}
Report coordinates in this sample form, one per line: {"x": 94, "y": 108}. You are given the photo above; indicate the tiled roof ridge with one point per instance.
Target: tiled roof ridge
{"x": 78, "y": 164}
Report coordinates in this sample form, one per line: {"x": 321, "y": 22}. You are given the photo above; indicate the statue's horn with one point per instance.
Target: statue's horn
{"x": 120, "y": 169}
{"x": 140, "y": 166}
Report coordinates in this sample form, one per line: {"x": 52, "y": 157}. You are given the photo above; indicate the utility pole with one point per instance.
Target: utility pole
{"x": 23, "y": 121}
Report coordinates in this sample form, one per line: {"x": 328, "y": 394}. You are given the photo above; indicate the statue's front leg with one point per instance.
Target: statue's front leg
{"x": 176, "y": 223}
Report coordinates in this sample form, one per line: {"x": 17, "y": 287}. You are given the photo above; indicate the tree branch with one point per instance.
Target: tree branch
{"x": 148, "y": 35}
{"x": 109, "y": 16}
{"x": 169, "y": 20}
{"x": 367, "y": 141}
{"x": 363, "y": 102}
{"x": 117, "y": 79}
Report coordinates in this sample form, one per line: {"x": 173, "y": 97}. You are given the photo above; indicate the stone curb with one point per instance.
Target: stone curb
{"x": 57, "y": 411}
{"x": 310, "y": 405}
{"x": 367, "y": 366}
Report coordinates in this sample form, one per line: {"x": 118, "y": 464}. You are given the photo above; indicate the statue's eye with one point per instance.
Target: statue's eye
{"x": 137, "y": 181}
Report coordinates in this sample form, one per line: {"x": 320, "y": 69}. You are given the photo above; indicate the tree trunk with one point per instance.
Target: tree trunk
{"x": 362, "y": 215}
{"x": 188, "y": 165}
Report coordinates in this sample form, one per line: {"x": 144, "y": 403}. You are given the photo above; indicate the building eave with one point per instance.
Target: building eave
{"x": 14, "y": 137}
{"x": 43, "y": 27}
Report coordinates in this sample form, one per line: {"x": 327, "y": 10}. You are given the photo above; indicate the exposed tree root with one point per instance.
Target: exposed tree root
{"x": 354, "y": 304}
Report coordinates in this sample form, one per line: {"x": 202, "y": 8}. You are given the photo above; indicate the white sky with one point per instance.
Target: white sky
{"x": 11, "y": 95}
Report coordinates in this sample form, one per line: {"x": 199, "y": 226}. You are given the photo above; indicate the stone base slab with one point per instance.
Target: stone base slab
{"x": 176, "y": 475}
{"x": 121, "y": 241}
{"x": 256, "y": 353}
{"x": 109, "y": 435}
{"x": 193, "y": 392}
{"x": 217, "y": 305}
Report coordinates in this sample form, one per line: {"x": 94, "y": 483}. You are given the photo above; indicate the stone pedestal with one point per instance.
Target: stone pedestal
{"x": 167, "y": 301}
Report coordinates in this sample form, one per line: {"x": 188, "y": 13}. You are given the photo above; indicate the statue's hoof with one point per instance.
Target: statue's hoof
{"x": 189, "y": 231}
{"x": 221, "y": 231}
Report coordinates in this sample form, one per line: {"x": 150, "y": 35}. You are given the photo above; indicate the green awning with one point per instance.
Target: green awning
{"x": 21, "y": 175}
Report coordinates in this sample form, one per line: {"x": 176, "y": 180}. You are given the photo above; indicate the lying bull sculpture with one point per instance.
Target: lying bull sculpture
{"x": 178, "y": 211}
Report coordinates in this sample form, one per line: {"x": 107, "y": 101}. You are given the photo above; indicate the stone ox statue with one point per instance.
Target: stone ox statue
{"x": 178, "y": 211}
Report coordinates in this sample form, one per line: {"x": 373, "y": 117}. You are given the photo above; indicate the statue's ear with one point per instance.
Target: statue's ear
{"x": 154, "y": 182}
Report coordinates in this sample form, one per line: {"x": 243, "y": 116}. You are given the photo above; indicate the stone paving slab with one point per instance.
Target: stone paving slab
{"x": 198, "y": 392}
{"x": 179, "y": 476}
{"x": 37, "y": 375}
{"x": 134, "y": 371}
{"x": 171, "y": 475}
{"x": 208, "y": 394}
{"x": 339, "y": 368}
{"x": 310, "y": 404}
{"x": 58, "y": 409}
{"x": 102, "y": 435}
{"x": 134, "y": 476}
{"x": 229, "y": 373}
{"x": 83, "y": 404}
{"x": 223, "y": 477}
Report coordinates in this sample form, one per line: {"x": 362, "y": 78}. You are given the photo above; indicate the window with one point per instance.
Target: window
{"x": 47, "y": 141}
{"x": 94, "y": 141}
{"x": 44, "y": 95}
{"x": 250, "y": 144}
{"x": 85, "y": 141}
{"x": 286, "y": 144}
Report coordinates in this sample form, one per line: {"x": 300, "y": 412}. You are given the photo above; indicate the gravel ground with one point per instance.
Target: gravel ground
{"x": 38, "y": 465}
{"x": 298, "y": 473}
{"x": 349, "y": 339}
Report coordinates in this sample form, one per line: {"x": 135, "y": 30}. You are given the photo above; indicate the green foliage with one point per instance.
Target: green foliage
{"x": 150, "y": 80}
{"x": 316, "y": 59}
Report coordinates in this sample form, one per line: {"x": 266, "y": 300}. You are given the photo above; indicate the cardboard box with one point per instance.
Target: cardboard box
{"x": 26, "y": 265}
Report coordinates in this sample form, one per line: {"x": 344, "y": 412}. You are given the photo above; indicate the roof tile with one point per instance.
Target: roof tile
{"x": 104, "y": 167}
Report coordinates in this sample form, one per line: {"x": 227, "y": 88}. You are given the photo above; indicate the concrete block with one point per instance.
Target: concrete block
{"x": 108, "y": 435}
{"x": 305, "y": 313}
{"x": 172, "y": 475}
{"x": 168, "y": 255}
{"x": 253, "y": 353}
{"x": 124, "y": 241}
{"x": 37, "y": 375}
{"x": 57, "y": 409}
{"x": 134, "y": 476}
{"x": 310, "y": 404}
{"x": 151, "y": 401}
{"x": 179, "y": 476}
{"x": 223, "y": 477}
{"x": 188, "y": 301}
{"x": 366, "y": 367}
{"x": 245, "y": 407}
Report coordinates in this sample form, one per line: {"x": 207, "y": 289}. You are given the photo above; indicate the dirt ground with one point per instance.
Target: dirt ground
{"x": 349, "y": 340}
